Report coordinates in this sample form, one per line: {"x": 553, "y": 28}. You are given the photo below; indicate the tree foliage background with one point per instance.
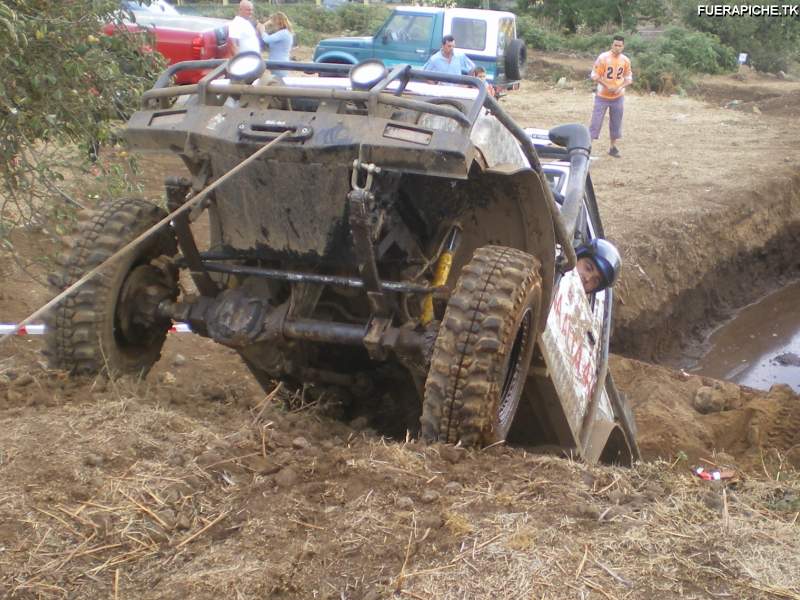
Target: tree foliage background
{"x": 569, "y": 16}
{"x": 61, "y": 83}
{"x": 772, "y": 43}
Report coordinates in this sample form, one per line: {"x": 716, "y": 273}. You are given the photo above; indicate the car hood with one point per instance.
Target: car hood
{"x": 184, "y": 22}
{"x": 346, "y": 42}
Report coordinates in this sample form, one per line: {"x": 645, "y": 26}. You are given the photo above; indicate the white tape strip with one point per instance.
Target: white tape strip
{"x": 38, "y": 329}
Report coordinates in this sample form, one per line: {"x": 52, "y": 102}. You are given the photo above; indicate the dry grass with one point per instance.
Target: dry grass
{"x": 137, "y": 494}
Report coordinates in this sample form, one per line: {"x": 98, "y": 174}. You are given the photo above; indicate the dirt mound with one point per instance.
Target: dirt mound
{"x": 551, "y": 67}
{"x": 696, "y": 416}
{"x": 785, "y": 105}
{"x": 745, "y": 86}
{"x": 142, "y": 491}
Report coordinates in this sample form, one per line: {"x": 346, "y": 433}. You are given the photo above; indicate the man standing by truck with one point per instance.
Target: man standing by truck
{"x": 612, "y": 72}
{"x": 241, "y": 31}
{"x": 447, "y": 60}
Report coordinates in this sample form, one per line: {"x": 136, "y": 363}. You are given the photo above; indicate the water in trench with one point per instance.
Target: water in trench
{"x": 760, "y": 346}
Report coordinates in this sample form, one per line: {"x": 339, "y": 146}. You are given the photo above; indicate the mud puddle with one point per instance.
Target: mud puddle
{"x": 760, "y": 346}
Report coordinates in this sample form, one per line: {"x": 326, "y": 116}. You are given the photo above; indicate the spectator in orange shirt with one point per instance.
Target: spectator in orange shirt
{"x": 612, "y": 72}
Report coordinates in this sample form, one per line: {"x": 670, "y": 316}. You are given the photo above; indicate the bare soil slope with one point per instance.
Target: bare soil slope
{"x": 184, "y": 487}
{"x": 194, "y": 484}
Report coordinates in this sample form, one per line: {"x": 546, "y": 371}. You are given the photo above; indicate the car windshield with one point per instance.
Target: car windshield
{"x": 405, "y": 27}
{"x": 156, "y": 7}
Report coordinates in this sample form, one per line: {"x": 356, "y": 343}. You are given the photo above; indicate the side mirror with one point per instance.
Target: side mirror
{"x": 385, "y": 37}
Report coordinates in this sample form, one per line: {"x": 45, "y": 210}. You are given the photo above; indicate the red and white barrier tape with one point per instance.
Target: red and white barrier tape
{"x": 39, "y": 329}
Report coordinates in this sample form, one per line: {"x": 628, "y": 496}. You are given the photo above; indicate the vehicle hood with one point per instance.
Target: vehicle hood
{"x": 346, "y": 42}
{"x": 183, "y": 22}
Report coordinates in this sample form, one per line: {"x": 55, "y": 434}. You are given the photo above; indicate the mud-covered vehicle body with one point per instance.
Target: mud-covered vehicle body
{"x": 396, "y": 245}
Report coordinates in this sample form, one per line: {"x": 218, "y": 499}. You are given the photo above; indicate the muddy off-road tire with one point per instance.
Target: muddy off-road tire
{"x": 483, "y": 350}
{"x": 100, "y": 325}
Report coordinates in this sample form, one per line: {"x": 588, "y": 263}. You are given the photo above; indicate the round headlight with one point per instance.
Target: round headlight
{"x": 247, "y": 67}
{"x": 367, "y": 73}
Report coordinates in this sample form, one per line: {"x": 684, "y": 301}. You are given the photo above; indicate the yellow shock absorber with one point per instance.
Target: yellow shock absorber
{"x": 442, "y": 272}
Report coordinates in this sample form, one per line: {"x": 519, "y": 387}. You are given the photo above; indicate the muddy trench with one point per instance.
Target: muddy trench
{"x": 712, "y": 268}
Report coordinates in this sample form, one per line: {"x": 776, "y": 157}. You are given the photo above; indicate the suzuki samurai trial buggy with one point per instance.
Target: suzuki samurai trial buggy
{"x": 396, "y": 244}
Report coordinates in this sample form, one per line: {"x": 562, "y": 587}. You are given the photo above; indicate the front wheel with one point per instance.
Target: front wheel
{"x": 110, "y": 323}
{"x": 483, "y": 350}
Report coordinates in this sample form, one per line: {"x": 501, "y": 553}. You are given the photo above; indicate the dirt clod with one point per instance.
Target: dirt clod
{"x": 404, "y": 503}
{"x": 708, "y": 400}
{"x": 452, "y": 454}
{"x": 93, "y": 460}
{"x": 262, "y": 465}
{"x": 183, "y": 522}
{"x": 429, "y": 496}
{"x": 14, "y": 396}
{"x": 286, "y": 478}
{"x": 587, "y": 511}
{"x": 300, "y": 443}
{"x": 452, "y": 488}
{"x": 713, "y": 500}
{"x": 23, "y": 380}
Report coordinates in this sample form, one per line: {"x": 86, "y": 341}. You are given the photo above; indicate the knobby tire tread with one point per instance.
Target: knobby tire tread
{"x": 75, "y": 339}
{"x": 462, "y": 390}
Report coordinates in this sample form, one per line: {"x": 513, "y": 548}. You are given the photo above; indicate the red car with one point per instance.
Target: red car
{"x": 179, "y": 37}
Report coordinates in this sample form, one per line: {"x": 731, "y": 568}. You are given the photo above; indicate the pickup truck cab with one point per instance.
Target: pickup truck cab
{"x": 178, "y": 38}
{"x": 412, "y": 34}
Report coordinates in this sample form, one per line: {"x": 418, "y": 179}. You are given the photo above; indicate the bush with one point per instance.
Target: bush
{"x": 63, "y": 84}
{"x": 697, "y": 51}
{"x": 535, "y": 35}
{"x": 362, "y": 19}
{"x": 659, "y": 72}
{"x": 572, "y": 16}
{"x": 667, "y": 64}
{"x": 590, "y": 44}
{"x": 312, "y": 17}
{"x": 772, "y": 42}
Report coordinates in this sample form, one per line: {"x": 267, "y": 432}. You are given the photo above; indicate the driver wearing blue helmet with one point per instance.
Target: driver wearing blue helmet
{"x": 598, "y": 265}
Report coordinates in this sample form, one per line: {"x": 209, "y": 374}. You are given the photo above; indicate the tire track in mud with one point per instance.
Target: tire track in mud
{"x": 783, "y": 432}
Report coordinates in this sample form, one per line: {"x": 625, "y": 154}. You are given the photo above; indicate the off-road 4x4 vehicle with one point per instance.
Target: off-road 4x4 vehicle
{"x": 397, "y": 245}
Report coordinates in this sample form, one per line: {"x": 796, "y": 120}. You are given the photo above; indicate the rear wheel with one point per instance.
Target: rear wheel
{"x": 110, "y": 322}
{"x": 483, "y": 350}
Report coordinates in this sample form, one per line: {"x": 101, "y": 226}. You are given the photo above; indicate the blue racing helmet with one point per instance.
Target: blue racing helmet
{"x": 606, "y": 256}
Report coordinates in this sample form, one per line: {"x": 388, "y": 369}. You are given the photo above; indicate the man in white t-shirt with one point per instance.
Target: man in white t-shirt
{"x": 241, "y": 31}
